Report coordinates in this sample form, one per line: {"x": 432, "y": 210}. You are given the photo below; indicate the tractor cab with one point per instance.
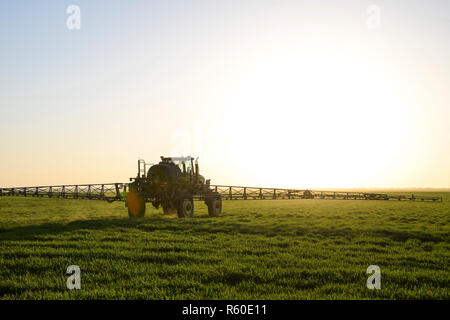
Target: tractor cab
{"x": 189, "y": 170}
{"x": 185, "y": 164}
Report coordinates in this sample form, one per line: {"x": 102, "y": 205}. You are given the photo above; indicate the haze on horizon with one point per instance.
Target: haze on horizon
{"x": 266, "y": 93}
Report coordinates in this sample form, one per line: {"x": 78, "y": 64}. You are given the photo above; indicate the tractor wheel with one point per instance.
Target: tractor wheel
{"x": 185, "y": 206}
{"x": 214, "y": 205}
{"x": 169, "y": 209}
{"x": 135, "y": 204}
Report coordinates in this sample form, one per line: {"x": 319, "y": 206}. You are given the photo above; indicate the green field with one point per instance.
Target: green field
{"x": 257, "y": 249}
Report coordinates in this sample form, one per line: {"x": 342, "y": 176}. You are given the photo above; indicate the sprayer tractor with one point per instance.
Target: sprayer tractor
{"x": 172, "y": 184}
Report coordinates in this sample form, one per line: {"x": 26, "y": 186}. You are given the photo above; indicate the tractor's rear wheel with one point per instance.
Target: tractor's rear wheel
{"x": 214, "y": 205}
{"x": 135, "y": 204}
{"x": 185, "y": 207}
{"x": 169, "y": 209}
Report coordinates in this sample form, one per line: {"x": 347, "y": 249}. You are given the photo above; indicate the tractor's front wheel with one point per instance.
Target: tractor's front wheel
{"x": 185, "y": 207}
{"x": 135, "y": 204}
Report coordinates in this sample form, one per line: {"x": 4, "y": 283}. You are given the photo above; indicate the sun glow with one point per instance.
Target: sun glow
{"x": 327, "y": 119}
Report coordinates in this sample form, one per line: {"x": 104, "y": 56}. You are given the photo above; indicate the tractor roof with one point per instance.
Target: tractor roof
{"x": 176, "y": 159}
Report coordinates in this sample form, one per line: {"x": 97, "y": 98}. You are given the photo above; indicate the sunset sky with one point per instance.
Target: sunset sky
{"x": 305, "y": 94}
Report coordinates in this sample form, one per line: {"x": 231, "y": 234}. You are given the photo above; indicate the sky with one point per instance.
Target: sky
{"x": 304, "y": 94}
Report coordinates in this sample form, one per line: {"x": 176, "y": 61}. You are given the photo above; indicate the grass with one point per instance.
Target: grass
{"x": 268, "y": 249}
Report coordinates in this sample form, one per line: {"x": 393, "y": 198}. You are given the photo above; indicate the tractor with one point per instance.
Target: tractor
{"x": 173, "y": 184}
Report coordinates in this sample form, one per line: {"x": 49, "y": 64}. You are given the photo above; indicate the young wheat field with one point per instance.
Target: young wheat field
{"x": 257, "y": 249}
